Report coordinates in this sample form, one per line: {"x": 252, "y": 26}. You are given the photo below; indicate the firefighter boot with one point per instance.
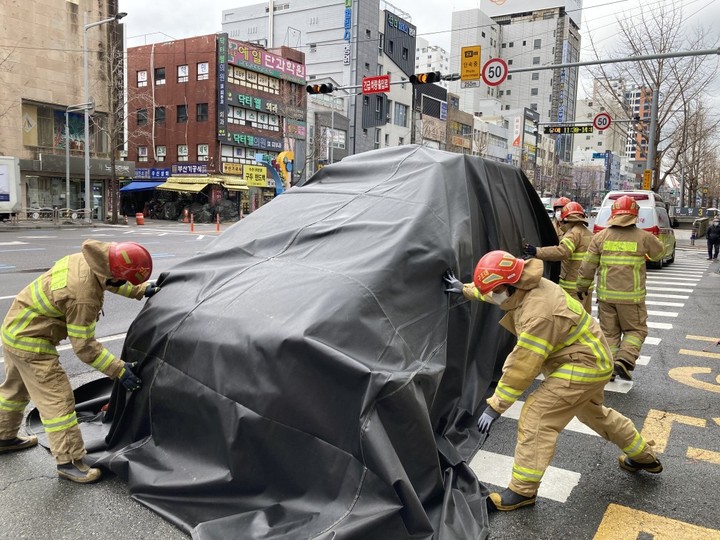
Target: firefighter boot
{"x": 633, "y": 466}
{"x": 509, "y": 500}
{"x": 78, "y": 471}
{"x": 18, "y": 443}
{"x": 623, "y": 369}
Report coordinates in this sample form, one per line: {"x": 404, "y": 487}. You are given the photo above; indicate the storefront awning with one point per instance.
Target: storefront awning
{"x": 185, "y": 186}
{"x": 140, "y": 185}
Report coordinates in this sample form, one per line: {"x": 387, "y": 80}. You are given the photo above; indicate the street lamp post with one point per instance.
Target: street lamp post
{"x": 86, "y": 27}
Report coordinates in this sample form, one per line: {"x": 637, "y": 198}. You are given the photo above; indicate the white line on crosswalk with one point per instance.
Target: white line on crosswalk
{"x": 650, "y": 312}
{"x": 667, "y": 304}
{"x": 642, "y": 360}
{"x": 619, "y": 386}
{"x": 676, "y": 283}
{"x": 675, "y": 280}
{"x": 496, "y": 469}
{"x": 668, "y": 289}
{"x": 652, "y": 340}
{"x": 660, "y": 325}
{"x": 675, "y": 296}
{"x": 678, "y": 274}
{"x": 100, "y": 339}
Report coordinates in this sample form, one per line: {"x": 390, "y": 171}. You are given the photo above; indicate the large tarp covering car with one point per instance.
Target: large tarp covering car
{"x": 306, "y": 375}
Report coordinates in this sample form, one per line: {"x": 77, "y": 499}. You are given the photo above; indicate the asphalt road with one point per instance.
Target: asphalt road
{"x": 674, "y": 399}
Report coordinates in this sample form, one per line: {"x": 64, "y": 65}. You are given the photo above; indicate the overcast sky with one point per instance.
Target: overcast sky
{"x": 161, "y": 20}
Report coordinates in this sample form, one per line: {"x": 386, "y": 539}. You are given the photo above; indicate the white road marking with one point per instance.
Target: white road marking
{"x": 660, "y": 325}
{"x": 574, "y": 425}
{"x": 651, "y": 312}
{"x": 668, "y": 289}
{"x": 672, "y": 283}
{"x": 652, "y": 340}
{"x": 7, "y": 297}
{"x": 491, "y": 468}
{"x": 13, "y": 243}
{"x": 642, "y": 360}
{"x": 619, "y": 386}
{"x": 668, "y": 304}
{"x": 37, "y": 237}
{"x": 675, "y": 296}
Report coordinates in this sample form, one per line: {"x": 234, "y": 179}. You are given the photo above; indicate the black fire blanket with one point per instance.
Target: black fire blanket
{"x": 306, "y": 376}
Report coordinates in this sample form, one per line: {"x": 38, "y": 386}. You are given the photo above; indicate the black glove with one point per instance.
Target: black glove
{"x": 128, "y": 379}
{"x": 582, "y": 293}
{"x": 454, "y": 284}
{"x": 486, "y": 419}
{"x": 151, "y": 289}
{"x": 530, "y": 250}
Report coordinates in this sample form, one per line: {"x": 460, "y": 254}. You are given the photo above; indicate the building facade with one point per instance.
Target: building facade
{"x": 431, "y": 58}
{"x": 214, "y": 115}
{"x": 44, "y": 77}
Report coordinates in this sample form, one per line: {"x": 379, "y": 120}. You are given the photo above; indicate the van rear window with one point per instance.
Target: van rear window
{"x": 646, "y": 217}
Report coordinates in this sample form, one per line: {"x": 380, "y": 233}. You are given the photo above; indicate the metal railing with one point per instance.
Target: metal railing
{"x": 53, "y": 215}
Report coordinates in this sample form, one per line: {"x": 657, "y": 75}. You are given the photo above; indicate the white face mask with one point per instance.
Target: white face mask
{"x": 557, "y": 214}
{"x": 499, "y": 297}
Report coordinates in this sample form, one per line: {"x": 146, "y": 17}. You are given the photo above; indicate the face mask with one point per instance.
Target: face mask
{"x": 499, "y": 297}
{"x": 557, "y": 214}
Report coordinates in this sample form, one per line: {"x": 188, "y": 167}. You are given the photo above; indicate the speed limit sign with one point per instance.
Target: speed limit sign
{"x": 494, "y": 71}
{"x": 602, "y": 121}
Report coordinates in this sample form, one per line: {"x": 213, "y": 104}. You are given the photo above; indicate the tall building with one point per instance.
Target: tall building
{"x": 40, "y": 79}
{"x": 431, "y": 58}
{"x": 215, "y": 115}
{"x": 547, "y": 34}
{"x": 344, "y": 41}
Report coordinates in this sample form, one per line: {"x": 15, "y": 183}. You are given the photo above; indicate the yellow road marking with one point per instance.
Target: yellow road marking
{"x": 704, "y": 455}
{"x": 684, "y": 375}
{"x": 690, "y": 352}
{"x": 622, "y": 523}
{"x": 658, "y": 424}
{"x": 702, "y": 338}
{"x": 717, "y": 421}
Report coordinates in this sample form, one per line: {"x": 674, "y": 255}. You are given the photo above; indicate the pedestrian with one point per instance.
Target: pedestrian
{"x": 620, "y": 251}
{"x": 558, "y": 205}
{"x": 713, "y": 239}
{"x": 558, "y": 338}
{"x": 571, "y": 249}
{"x": 65, "y": 301}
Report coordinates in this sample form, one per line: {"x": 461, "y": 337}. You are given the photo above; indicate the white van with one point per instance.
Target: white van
{"x": 652, "y": 217}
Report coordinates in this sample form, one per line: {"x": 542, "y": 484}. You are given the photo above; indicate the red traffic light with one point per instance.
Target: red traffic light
{"x": 325, "y": 88}
{"x": 426, "y": 78}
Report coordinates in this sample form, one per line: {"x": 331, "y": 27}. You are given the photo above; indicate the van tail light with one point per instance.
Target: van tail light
{"x": 654, "y": 230}
{"x": 597, "y": 228}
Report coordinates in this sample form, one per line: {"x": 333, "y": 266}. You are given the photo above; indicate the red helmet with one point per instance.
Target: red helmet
{"x": 561, "y": 202}
{"x": 497, "y": 268}
{"x": 624, "y": 205}
{"x": 572, "y": 209}
{"x": 130, "y": 262}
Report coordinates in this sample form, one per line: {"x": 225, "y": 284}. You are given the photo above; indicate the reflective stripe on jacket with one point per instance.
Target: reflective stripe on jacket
{"x": 63, "y": 302}
{"x": 620, "y": 253}
{"x": 571, "y": 251}
{"x": 555, "y": 336}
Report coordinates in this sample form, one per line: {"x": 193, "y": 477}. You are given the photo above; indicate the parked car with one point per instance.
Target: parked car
{"x": 594, "y": 211}
{"x": 652, "y": 217}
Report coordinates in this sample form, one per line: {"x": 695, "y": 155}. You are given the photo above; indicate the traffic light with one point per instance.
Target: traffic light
{"x": 426, "y": 78}
{"x": 325, "y": 88}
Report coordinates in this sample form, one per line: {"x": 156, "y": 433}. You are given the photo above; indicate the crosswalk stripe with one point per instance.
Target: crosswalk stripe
{"x": 642, "y": 360}
{"x": 660, "y": 295}
{"x": 660, "y": 325}
{"x": 496, "y": 469}
{"x": 651, "y": 312}
{"x": 668, "y": 304}
{"x": 619, "y": 386}
{"x": 652, "y": 340}
{"x": 668, "y": 289}
{"x": 676, "y": 283}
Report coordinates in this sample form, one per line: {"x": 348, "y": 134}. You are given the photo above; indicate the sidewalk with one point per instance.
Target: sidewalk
{"x": 150, "y": 223}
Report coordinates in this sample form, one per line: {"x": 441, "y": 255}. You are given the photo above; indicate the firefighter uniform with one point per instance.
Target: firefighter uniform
{"x": 571, "y": 251}
{"x": 620, "y": 252}
{"x": 66, "y": 301}
{"x": 558, "y": 338}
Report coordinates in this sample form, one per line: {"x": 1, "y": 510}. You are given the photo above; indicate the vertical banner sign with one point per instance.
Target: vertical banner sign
{"x": 222, "y": 107}
{"x": 647, "y": 178}
{"x": 517, "y": 131}
{"x": 347, "y": 33}
{"x": 470, "y": 63}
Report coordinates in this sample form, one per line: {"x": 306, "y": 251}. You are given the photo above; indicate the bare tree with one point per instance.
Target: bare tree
{"x": 678, "y": 81}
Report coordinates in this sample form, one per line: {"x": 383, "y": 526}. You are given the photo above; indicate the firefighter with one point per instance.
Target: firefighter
{"x": 66, "y": 301}
{"x": 621, "y": 251}
{"x": 558, "y": 338}
{"x": 558, "y": 205}
{"x": 571, "y": 250}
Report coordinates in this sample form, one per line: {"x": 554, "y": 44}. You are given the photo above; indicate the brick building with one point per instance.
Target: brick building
{"x": 210, "y": 118}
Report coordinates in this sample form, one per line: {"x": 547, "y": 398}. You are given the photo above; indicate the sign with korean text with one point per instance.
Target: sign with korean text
{"x": 232, "y": 168}
{"x": 243, "y": 55}
{"x": 647, "y": 179}
{"x": 564, "y": 130}
{"x": 188, "y": 168}
{"x": 222, "y": 110}
{"x": 376, "y": 85}
{"x": 252, "y": 102}
{"x": 470, "y": 63}
{"x": 347, "y": 32}
{"x": 256, "y": 175}
{"x": 253, "y": 141}
{"x": 295, "y": 129}
{"x": 155, "y": 172}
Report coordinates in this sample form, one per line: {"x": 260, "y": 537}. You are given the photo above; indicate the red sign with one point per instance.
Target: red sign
{"x": 376, "y": 85}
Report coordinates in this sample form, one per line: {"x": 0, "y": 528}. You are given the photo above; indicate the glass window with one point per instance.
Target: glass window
{"x": 535, "y": 76}
{"x": 401, "y": 115}
{"x": 202, "y": 71}
{"x": 533, "y": 91}
{"x": 203, "y": 151}
{"x": 142, "y": 153}
{"x": 183, "y": 73}
{"x": 159, "y": 76}
{"x": 182, "y": 115}
{"x": 202, "y": 112}
{"x": 159, "y": 115}
{"x": 160, "y": 152}
{"x": 142, "y": 117}
{"x": 536, "y": 60}
{"x": 405, "y": 53}
{"x": 142, "y": 78}
{"x": 537, "y": 44}
{"x": 182, "y": 151}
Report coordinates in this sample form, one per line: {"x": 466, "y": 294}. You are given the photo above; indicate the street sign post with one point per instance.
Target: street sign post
{"x": 602, "y": 121}
{"x": 598, "y": 155}
{"x": 376, "y": 85}
{"x": 647, "y": 179}
{"x": 494, "y": 71}
{"x": 564, "y": 130}
{"x": 470, "y": 63}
